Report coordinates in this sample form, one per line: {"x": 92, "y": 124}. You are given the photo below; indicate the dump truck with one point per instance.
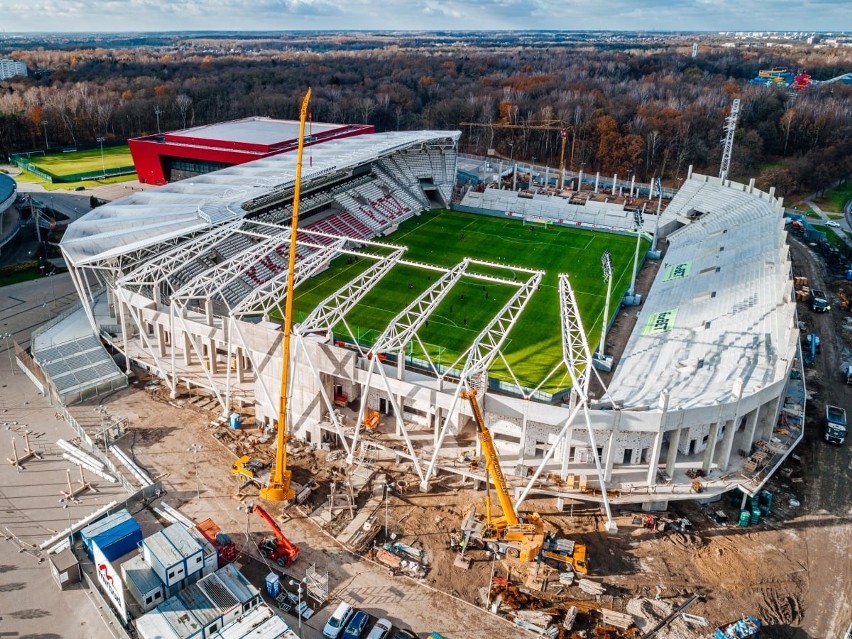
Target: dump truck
{"x": 835, "y": 424}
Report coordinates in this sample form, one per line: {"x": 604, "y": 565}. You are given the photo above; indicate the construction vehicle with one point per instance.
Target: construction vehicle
{"x": 248, "y": 467}
{"x": 279, "y": 489}
{"x": 835, "y": 424}
{"x": 276, "y": 547}
{"x": 508, "y": 533}
{"x": 810, "y": 350}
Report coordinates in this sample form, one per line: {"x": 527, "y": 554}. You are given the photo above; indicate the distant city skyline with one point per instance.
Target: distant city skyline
{"x": 340, "y": 15}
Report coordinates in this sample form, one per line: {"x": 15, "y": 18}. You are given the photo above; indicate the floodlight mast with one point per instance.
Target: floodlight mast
{"x": 278, "y": 488}
{"x": 606, "y": 265}
{"x": 638, "y": 221}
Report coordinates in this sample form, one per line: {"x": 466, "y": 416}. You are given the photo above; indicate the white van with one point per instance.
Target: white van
{"x": 338, "y": 620}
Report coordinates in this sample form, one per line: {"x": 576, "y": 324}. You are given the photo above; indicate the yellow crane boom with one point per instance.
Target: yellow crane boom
{"x": 279, "y": 488}
{"x": 492, "y": 463}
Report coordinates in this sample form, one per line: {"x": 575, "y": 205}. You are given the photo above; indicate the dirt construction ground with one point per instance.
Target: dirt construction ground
{"x": 792, "y": 570}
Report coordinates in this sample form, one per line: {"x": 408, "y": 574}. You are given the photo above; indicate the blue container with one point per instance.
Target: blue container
{"x": 745, "y": 518}
{"x": 234, "y": 421}
{"x": 755, "y": 516}
{"x": 849, "y": 274}
{"x": 102, "y": 526}
{"x": 119, "y": 547}
{"x": 273, "y": 584}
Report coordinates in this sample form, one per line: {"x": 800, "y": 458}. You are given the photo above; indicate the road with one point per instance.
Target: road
{"x": 828, "y": 599}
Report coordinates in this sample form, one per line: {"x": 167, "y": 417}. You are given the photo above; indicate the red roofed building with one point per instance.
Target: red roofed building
{"x": 169, "y": 157}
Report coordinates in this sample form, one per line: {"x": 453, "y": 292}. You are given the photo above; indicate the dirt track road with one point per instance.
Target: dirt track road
{"x": 826, "y": 529}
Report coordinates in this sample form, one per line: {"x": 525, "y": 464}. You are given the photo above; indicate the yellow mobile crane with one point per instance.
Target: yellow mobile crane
{"x": 508, "y": 533}
{"x": 279, "y": 488}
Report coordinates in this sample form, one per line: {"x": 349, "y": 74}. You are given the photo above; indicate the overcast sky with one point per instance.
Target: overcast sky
{"x": 227, "y": 15}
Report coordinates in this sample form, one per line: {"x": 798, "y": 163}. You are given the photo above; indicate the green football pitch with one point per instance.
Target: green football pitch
{"x": 74, "y": 162}
{"x": 444, "y": 238}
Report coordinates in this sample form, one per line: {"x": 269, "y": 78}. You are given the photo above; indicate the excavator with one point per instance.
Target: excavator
{"x": 276, "y": 547}
{"x": 508, "y": 533}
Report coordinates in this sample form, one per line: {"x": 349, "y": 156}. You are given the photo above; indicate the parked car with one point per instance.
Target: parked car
{"x": 402, "y": 633}
{"x": 356, "y": 626}
{"x": 833, "y": 224}
{"x": 381, "y": 630}
{"x": 338, "y": 620}
{"x": 79, "y": 188}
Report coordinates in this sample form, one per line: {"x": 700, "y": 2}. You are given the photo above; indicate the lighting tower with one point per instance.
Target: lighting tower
{"x": 279, "y": 488}
{"x": 606, "y": 265}
{"x": 730, "y": 129}
{"x": 638, "y": 221}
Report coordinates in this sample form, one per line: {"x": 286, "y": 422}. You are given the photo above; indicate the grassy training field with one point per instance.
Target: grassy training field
{"x": 444, "y": 238}
{"x": 60, "y": 164}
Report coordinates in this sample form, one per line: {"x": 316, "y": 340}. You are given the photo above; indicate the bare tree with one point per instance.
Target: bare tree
{"x": 183, "y": 102}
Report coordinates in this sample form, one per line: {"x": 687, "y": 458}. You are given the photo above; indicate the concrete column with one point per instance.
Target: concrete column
{"x": 566, "y": 452}
{"x": 241, "y": 371}
{"x": 524, "y": 432}
{"x": 654, "y": 462}
{"x": 187, "y": 348}
{"x": 208, "y": 311}
{"x": 724, "y": 457}
{"x": 211, "y": 356}
{"x": 610, "y": 457}
{"x": 751, "y": 424}
{"x": 711, "y": 446}
{"x": 671, "y": 457}
{"x": 614, "y": 182}
{"x": 769, "y": 417}
{"x": 597, "y": 179}
{"x": 731, "y": 428}
{"x": 161, "y": 340}
{"x": 436, "y": 431}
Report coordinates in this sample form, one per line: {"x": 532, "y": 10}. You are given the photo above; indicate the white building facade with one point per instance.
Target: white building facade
{"x": 11, "y": 68}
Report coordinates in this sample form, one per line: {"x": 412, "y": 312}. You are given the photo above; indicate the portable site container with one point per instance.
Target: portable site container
{"x": 65, "y": 568}
{"x": 143, "y": 583}
{"x": 119, "y": 540}
{"x": 172, "y": 555}
{"x": 210, "y": 554}
{"x": 260, "y": 623}
{"x": 230, "y": 592}
{"x": 208, "y": 614}
{"x": 182, "y": 620}
{"x": 188, "y": 546}
{"x": 102, "y": 525}
{"x": 154, "y": 626}
{"x": 222, "y": 542}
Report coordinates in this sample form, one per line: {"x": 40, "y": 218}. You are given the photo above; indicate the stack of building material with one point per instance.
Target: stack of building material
{"x": 616, "y": 619}
{"x": 591, "y": 587}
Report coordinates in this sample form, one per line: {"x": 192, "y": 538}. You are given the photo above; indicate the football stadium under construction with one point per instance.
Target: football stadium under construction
{"x": 188, "y": 280}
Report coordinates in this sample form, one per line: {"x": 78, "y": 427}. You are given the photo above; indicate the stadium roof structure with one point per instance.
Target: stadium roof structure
{"x": 159, "y": 216}
{"x": 169, "y": 157}
{"x": 719, "y": 320}
{"x": 257, "y": 134}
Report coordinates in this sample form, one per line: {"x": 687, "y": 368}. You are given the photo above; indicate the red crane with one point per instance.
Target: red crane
{"x": 277, "y": 547}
